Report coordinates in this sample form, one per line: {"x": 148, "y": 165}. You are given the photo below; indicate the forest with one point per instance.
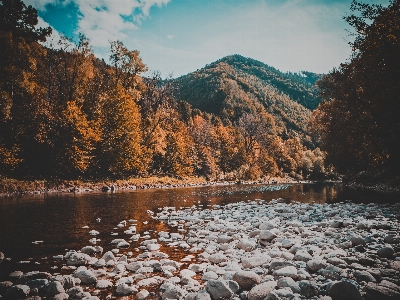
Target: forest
{"x": 65, "y": 114}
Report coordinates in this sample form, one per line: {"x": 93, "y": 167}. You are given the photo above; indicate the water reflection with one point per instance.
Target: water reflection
{"x": 57, "y": 219}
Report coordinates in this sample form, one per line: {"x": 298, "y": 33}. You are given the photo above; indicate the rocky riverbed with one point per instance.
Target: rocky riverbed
{"x": 248, "y": 250}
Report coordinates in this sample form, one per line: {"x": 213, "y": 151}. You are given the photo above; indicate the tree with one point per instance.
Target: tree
{"x": 358, "y": 122}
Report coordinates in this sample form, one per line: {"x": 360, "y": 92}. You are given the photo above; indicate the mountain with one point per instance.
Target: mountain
{"x": 235, "y": 85}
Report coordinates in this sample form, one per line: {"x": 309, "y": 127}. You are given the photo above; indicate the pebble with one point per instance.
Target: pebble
{"x": 243, "y": 251}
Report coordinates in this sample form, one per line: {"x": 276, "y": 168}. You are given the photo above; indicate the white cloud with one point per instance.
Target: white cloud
{"x": 53, "y": 40}
{"x": 105, "y": 20}
{"x": 170, "y": 36}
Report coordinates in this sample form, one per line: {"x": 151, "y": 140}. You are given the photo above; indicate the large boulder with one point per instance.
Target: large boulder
{"x": 260, "y": 291}
{"x": 384, "y": 291}
{"x": 344, "y": 290}
{"x": 246, "y": 279}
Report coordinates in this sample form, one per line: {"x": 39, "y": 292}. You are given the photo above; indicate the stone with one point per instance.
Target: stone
{"x": 308, "y": 289}
{"x": 290, "y": 283}
{"x": 385, "y": 252}
{"x": 266, "y": 225}
{"x": 103, "y": 284}
{"x": 187, "y": 273}
{"x": 267, "y": 235}
{"x": 78, "y": 259}
{"x": 89, "y": 250}
{"x": 288, "y": 271}
{"x": 384, "y": 291}
{"x": 246, "y": 245}
{"x": 143, "y": 294}
{"x": 315, "y": 264}
{"x": 209, "y": 275}
{"x": 4, "y": 285}
{"x": 217, "y": 258}
{"x": 356, "y": 240}
{"x": 173, "y": 292}
{"x": 123, "y": 290}
{"x": 39, "y": 284}
{"x": 134, "y": 266}
{"x": 85, "y": 275}
{"x": 196, "y": 268}
{"x": 218, "y": 289}
{"x": 246, "y": 279}
{"x": 18, "y": 291}
{"x": 344, "y": 290}
{"x": 202, "y": 295}
{"x": 302, "y": 255}
{"x": 54, "y": 288}
{"x": 222, "y": 239}
{"x": 109, "y": 256}
{"x": 275, "y": 265}
{"x": 364, "y": 276}
{"x": 260, "y": 291}
{"x": 255, "y": 261}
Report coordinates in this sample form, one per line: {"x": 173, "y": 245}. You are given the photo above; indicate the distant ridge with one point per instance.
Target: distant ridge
{"x": 234, "y": 85}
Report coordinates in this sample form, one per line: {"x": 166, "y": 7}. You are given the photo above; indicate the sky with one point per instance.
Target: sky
{"x": 180, "y": 36}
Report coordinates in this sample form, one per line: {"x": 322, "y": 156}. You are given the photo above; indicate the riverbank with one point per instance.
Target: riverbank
{"x": 19, "y": 187}
{"x": 251, "y": 250}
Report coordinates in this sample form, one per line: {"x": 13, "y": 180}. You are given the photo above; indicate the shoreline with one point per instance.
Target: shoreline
{"x": 249, "y": 250}
{"x": 13, "y": 187}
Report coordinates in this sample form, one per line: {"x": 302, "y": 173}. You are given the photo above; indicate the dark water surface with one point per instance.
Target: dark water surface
{"x": 57, "y": 219}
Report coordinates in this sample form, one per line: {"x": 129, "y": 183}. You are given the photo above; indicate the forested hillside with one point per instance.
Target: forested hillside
{"x": 235, "y": 85}
{"x": 65, "y": 114}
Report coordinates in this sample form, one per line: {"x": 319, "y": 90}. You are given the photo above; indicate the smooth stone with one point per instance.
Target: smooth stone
{"x": 288, "y": 271}
{"x": 290, "y": 283}
{"x": 143, "y": 294}
{"x": 218, "y": 289}
{"x": 246, "y": 279}
{"x": 217, "y": 258}
{"x": 103, "y": 284}
{"x": 344, "y": 290}
{"x": 260, "y": 291}
{"x": 385, "y": 252}
{"x": 315, "y": 264}
{"x": 308, "y": 289}
{"x": 255, "y": 261}
{"x": 209, "y": 275}
{"x": 364, "y": 276}
{"x": 302, "y": 255}
{"x": 173, "y": 292}
{"x": 246, "y": 245}
{"x": 384, "y": 291}
{"x": 124, "y": 290}
{"x": 54, "y": 288}
{"x": 85, "y": 275}
{"x": 17, "y": 291}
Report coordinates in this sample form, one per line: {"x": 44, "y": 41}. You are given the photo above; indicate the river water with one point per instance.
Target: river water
{"x": 55, "y": 221}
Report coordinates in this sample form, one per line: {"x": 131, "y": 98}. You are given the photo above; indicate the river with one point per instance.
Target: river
{"x": 55, "y": 221}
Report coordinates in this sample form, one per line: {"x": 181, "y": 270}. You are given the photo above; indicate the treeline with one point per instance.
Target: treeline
{"x": 358, "y": 121}
{"x": 66, "y": 114}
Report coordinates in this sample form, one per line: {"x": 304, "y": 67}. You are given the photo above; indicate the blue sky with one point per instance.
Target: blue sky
{"x": 181, "y": 36}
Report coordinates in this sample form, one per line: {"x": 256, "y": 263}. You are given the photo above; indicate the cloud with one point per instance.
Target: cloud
{"x": 170, "y": 36}
{"x": 53, "y": 40}
{"x": 105, "y": 20}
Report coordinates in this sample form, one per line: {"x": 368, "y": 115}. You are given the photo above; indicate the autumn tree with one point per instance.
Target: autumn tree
{"x": 358, "y": 123}
{"x": 23, "y": 115}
